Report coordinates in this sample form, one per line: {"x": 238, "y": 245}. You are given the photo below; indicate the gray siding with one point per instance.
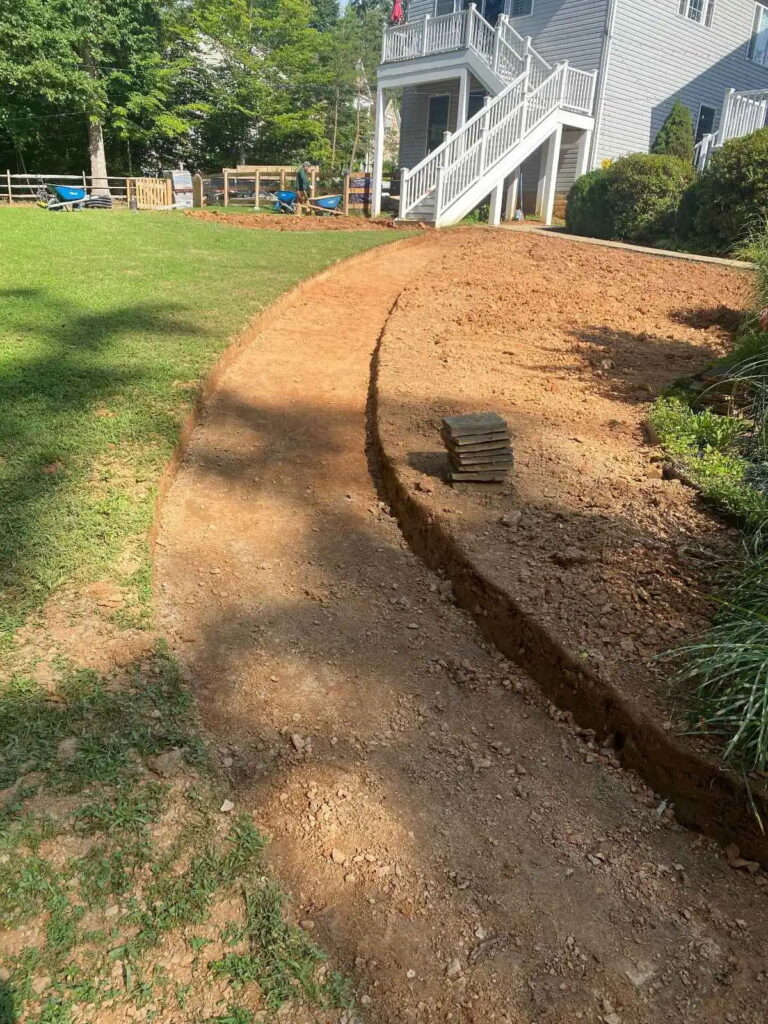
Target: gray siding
{"x": 413, "y": 119}
{"x": 659, "y": 56}
{"x": 571, "y": 30}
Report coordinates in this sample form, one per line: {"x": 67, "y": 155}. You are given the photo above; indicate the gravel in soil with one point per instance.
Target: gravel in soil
{"x": 570, "y": 344}
{"x": 459, "y": 847}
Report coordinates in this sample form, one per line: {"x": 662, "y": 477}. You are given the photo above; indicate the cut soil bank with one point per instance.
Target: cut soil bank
{"x": 591, "y": 564}
{"x": 289, "y": 222}
{"x": 465, "y": 853}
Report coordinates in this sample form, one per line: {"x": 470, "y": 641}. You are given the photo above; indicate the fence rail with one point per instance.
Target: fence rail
{"x": 24, "y": 188}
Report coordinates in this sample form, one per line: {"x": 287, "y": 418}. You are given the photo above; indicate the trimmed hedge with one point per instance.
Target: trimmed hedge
{"x": 732, "y": 192}
{"x": 675, "y": 137}
{"x": 635, "y": 199}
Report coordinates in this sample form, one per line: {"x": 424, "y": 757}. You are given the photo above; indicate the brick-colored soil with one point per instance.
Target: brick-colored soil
{"x": 464, "y": 853}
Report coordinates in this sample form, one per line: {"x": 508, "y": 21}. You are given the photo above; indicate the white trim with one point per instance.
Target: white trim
{"x": 753, "y": 38}
{"x": 602, "y": 79}
{"x": 686, "y": 10}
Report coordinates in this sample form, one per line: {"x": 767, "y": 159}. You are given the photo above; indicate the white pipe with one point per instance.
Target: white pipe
{"x": 605, "y": 61}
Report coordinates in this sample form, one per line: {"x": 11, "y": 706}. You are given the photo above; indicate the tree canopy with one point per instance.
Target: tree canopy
{"x": 209, "y": 82}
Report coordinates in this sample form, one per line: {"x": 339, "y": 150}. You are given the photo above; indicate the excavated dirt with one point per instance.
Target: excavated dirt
{"x": 289, "y": 222}
{"x": 570, "y": 345}
{"x": 464, "y": 852}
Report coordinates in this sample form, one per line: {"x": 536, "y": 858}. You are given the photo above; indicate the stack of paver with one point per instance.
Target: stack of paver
{"x": 478, "y": 448}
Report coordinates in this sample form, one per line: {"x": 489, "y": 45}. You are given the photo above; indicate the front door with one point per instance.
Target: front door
{"x": 437, "y": 121}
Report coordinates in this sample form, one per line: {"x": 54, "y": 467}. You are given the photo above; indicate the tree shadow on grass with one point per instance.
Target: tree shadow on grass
{"x": 65, "y": 366}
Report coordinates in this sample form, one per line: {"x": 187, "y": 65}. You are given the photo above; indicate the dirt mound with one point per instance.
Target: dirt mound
{"x": 288, "y": 222}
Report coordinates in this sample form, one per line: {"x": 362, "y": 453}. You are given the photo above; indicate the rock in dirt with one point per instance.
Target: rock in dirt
{"x": 168, "y": 763}
{"x": 453, "y": 970}
{"x": 226, "y": 807}
{"x": 67, "y": 749}
{"x": 338, "y": 856}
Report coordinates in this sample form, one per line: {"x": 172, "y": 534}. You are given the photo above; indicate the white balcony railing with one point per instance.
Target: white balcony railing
{"x": 742, "y": 114}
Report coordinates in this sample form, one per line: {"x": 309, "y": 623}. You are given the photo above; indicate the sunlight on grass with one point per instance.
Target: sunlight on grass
{"x": 107, "y": 323}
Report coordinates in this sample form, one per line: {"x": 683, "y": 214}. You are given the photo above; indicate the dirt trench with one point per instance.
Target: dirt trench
{"x": 460, "y": 849}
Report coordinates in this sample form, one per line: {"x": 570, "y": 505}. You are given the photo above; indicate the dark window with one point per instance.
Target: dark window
{"x": 443, "y": 7}
{"x": 706, "y": 122}
{"x": 475, "y": 103}
{"x": 520, "y": 8}
{"x": 437, "y": 121}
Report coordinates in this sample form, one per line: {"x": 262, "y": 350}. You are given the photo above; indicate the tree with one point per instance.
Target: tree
{"x": 675, "y": 137}
{"x": 100, "y": 63}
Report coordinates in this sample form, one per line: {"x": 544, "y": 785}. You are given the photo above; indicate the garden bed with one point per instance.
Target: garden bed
{"x": 291, "y": 222}
{"x": 590, "y": 564}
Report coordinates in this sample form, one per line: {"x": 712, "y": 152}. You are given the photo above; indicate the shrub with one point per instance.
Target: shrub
{"x": 733, "y": 192}
{"x": 644, "y": 193}
{"x": 586, "y": 212}
{"x": 635, "y": 198}
{"x": 687, "y": 213}
{"x": 675, "y": 137}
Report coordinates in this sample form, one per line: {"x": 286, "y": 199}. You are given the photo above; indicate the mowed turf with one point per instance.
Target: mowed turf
{"x": 108, "y": 320}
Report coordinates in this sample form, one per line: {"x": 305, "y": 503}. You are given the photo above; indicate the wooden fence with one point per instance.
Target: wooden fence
{"x": 23, "y": 188}
{"x": 244, "y": 183}
{"x": 150, "y": 193}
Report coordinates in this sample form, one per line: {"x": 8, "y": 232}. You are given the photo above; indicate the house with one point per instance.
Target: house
{"x": 511, "y": 100}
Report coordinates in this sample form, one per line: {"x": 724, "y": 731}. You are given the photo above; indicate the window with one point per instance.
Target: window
{"x": 706, "y": 122}
{"x": 520, "y": 8}
{"x": 758, "y": 44}
{"x": 698, "y": 10}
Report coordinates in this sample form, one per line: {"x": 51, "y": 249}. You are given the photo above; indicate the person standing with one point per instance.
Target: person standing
{"x": 303, "y": 182}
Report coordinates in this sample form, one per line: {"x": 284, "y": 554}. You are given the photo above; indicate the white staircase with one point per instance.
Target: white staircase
{"x": 532, "y": 101}
{"x": 742, "y": 114}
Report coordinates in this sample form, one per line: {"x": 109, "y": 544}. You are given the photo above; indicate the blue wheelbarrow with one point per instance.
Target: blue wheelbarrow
{"x": 63, "y": 197}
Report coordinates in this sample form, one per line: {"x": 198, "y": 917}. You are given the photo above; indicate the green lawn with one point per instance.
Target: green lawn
{"x": 107, "y": 323}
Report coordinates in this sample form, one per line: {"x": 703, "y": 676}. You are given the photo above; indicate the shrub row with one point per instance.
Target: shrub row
{"x": 653, "y": 198}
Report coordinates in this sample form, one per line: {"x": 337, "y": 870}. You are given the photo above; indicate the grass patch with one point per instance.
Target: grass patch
{"x": 122, "y": 885}
{"x": 108, "y": 321}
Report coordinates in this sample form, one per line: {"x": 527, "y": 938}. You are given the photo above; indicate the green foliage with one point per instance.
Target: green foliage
{"x": 675, "y": 137}
{"x": 101, "y": 346}
{"x": 644, "y": 192}
{"x": 586, "y": 211}
{"x": 733, "y": 192}
{"x": 634, "y": 199}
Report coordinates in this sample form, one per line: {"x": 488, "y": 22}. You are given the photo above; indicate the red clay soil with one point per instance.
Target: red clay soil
{"x": 464, "y": 853}
{"x": 291, "y": 222}
{"x": 570, "y": 345}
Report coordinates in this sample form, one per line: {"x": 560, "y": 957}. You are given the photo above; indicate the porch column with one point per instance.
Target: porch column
{"x": 378, "y": 152}
{"x": 513, "y": 193}
{"x": 494, "y": 214}
{"x": 582, "y": 154}
{"x": 461, "y": 113}
{"x": 548, "y": 176}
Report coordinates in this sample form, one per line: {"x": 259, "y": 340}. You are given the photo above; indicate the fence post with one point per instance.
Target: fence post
{"x": 345, "y": 194}
{"x": 168, "y": 192}
{"x": 496, "y": 48}
{"x": 563, "y": 66}
{"x": 592, "y": 92}
{"x": 197, "y": 190}
{"x": 439, "y": 193}
{"x": 403, "y": 190}
{"x": 424, "y": 30}
{"x": 469, "y": 25}
{"x": 256, "y": 190}
{"x": 726, "y": 114}
{"x": 10, "y": 192}
{"x": 226, "y": 187}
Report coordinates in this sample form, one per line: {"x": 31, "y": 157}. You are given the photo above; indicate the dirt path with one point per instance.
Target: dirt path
{"x": 463, "y": 854}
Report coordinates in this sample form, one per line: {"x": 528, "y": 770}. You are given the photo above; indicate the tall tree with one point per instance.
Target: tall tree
{"x": 102, "y": 62}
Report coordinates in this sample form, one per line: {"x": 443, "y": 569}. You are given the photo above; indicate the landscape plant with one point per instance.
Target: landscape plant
{"x": 675, "y": 137}
{"x": 732, "y": 193}
{"x": 726, "y": 456}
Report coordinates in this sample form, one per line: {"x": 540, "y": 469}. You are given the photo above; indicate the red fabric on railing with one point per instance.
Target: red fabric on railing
{"x": 397, "y": 15}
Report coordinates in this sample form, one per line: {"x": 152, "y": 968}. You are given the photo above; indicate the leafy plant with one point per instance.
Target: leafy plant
{"x": 733, "y": 192}
{"x": 675, "y": 137}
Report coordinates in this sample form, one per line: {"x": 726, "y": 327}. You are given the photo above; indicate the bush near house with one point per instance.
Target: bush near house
{"x": 732, "y": 193}
{"x": 675, "y": 137}
{"x": 634, "y": 199}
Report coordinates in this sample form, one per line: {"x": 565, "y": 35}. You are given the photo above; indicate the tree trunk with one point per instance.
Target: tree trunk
{"x": 99, "y": 180}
